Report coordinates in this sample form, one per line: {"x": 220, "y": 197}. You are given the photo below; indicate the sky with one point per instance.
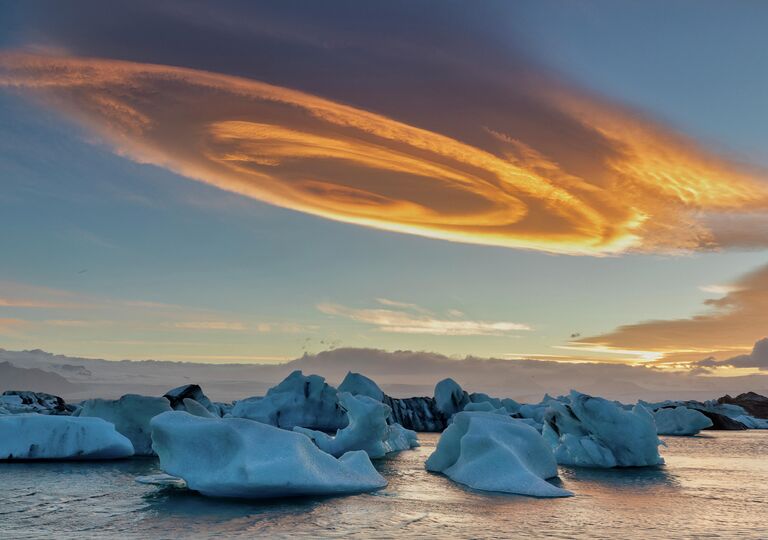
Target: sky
{"x": 252, "y": 181}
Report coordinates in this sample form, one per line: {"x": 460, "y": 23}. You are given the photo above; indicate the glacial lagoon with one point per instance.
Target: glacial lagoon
{"x": 714, "y": 485}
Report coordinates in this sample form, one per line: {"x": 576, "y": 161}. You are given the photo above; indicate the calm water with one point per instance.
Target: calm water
{"x": 713, "y": 486}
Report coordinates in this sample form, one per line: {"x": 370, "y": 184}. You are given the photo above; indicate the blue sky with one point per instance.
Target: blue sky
{"x": 104, "y": 256}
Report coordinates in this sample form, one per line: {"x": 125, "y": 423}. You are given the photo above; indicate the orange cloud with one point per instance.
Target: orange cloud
{"x": 730, "y": 326}
{"x": 651, "y": 190}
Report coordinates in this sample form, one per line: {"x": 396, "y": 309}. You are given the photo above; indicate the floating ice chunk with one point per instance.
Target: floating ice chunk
{"x": 25, "y": 401}
{"x": 306, "y": 401}
{"x": 360, "y": 385}
{"x": 751, "y": 422}
{"x": 162, "y": 479}
{"x": 196, "y": 409}
{"x": 37, "y": 436}
{"x": 449, "y": 397}
{"x": 400, "y": 438}
{"x": 235, "y": 457}
{"x": 680, "y": 421}
{"x": 594, "y": 432}
{"x": 367, "y": 430}
{"x": 131, "y": 415}
{"x": 493, "y": 452}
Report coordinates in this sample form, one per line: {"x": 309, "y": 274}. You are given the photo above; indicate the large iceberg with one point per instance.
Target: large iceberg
{"x": 589, "y": 431}
{"x": 131, "y": 415}
{"x": 680, "y": 421}
{"x": 306, "y": 401}
{"x": 38, "y": 436}
{"x": 236, "y": 457}
{"x": 493, "y": 452}
{"x": 367, "y": 430}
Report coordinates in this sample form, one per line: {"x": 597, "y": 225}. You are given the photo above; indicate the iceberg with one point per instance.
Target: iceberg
{"x": 25, "y": 401}
{"x": 680, "y": 421}
{"x": 449, "y": 397}
{"x": 236, "y": 457}
{"x": 39, "y": 436}
{"x": 360, "y": 385}
{"x": 367, "y": 430}
{"x": 751, "y": 422}
{"x": 305, "y": 401}
{"x": 493, "y": 452}
{"x": 590, "y": 431}
{"x": 131, "y": 415}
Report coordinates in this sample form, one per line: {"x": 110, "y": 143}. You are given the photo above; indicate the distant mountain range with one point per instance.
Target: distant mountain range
{"x": 399, "y": 373}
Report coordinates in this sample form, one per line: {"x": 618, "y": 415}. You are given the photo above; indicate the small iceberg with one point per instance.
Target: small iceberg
{"x": 131, "y": 415}
{"x": 40, "y": 436}
{"x": 236, "y": 457}
{"x": 493, "y": 452}
{"x": 680, "y": 421}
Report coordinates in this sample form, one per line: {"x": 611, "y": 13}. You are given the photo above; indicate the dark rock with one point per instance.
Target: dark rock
{"x": 755, "y": 404}
{"x": 722, "y": 422}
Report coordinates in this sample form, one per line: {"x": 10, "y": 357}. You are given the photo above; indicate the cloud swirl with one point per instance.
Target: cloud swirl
{"x": 651, "y": 191}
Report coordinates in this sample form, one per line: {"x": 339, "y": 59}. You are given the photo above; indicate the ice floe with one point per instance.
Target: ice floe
{"x": 39, "y": 436}
{"x": 237, "y": 457}
{"x": 493, "y": 452}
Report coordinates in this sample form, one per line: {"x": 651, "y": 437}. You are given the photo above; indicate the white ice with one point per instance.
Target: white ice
{"x": 680, "y": 421}
{"x": 493, "y": 452}
{"x": 367, "y": 430}
{"x": 38, "y": 436}
{"x": 131, "y": 415}
{"x": 236, "y": 457}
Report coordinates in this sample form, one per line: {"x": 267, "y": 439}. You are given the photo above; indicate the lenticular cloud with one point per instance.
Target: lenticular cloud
{"x": 315, "y": 155}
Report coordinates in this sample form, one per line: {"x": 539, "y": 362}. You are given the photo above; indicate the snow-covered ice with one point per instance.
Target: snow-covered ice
{"x": 236, "y": 457}
{"x": 680, "y": 421}
{"x": 367, "y": 430}
{"x": 594, "y": 432}
{"x": 299, "y": 400}
{"x": 493, "y": 452}
{"x": 39, "y": 436}
{"x": 131, "y": 415}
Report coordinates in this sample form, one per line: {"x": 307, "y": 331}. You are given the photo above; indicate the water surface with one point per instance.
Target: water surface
{"x": 713, "y": 486}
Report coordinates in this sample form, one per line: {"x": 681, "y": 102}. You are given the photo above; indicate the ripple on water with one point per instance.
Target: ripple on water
{"x": 713, "y": 485}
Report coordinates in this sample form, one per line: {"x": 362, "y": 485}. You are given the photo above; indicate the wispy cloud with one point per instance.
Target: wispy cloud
{"x": 420, "y": 321}
{"x": 211, "y": 325}
{"x": 12, "y": 327}
{"x": 637, "y": 185}
{"x": 718, "y": 289}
